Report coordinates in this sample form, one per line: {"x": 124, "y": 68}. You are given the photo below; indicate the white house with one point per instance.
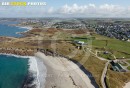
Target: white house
{"x": 80, "y": 42}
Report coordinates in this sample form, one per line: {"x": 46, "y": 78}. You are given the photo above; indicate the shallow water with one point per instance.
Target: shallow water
{"x": 12, "y": 71}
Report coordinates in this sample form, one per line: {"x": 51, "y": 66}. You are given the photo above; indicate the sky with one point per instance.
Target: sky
{"x": 69, "y": 8}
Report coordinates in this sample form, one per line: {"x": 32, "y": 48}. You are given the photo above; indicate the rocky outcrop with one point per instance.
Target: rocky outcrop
{"x": 17, "y": 51}
{"x": 48, "y": 52}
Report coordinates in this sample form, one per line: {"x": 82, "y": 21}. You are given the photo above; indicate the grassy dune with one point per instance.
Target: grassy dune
{"x": 117, "y": 79}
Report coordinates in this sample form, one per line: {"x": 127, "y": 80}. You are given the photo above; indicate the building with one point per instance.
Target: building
{"x": 79, "y": 42}
{"x": 117, "y": 67}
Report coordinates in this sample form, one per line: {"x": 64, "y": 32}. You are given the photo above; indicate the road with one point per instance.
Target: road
{"x": 121, "y": 59}
{"x": 104, "y": 75}
{"x": 97, "y": 55}
{"x": 105, "y": 68}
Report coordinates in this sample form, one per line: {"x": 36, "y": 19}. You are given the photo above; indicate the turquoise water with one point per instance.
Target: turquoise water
{"x": 12, "y": 71}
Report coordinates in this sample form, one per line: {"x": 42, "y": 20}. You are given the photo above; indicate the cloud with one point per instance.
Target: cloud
{"x": 50, "y": 10}
{"x": 91, "y": 10}
{"x": 74, "y": 10}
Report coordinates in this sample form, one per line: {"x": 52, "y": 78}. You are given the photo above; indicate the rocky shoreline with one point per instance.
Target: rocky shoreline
{"x": 17, "y": 51}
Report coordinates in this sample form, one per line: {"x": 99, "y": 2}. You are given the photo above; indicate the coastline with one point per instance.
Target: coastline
{"x": 34, "y": 70}
{"x": 36, "y": 67}
{"x": 24, "y": 27}
{"x": 42, "y": 72}
{"x": 63, "y": 73}
{"x": 75, "y": 78}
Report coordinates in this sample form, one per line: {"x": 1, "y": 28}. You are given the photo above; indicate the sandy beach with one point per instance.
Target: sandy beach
{"x": 24, "y": 27}
{"x": 127, "y": 85}
{"x": 62, "y": 73}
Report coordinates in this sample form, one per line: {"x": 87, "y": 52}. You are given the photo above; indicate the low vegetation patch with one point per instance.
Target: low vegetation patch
{"x": 123, "y": 63}
{"x": 128, "y": 61}
{"x": 128, "y": 67}
{"x": 95, "y": 66}
{"x": 117, "y": 79}
{"x": 106, "y": 56}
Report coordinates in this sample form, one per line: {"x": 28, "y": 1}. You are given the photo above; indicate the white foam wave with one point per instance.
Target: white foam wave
{"x": 36, "y": 66}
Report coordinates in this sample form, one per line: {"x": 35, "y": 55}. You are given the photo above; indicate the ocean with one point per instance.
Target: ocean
{"x": 10, "y": 31}
{"x": 13, "y": 70}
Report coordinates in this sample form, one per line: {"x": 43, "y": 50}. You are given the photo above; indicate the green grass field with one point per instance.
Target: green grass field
{"x": 80, "y": 39}
{"x": 128, "y": 67}
{"x": 83, "y": 38}
{"x": 117, "y": 47}
{"x": 107, "y": 56}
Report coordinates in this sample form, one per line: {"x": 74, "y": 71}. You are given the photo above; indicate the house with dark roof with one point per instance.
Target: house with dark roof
{"x": 117, "y": 67}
